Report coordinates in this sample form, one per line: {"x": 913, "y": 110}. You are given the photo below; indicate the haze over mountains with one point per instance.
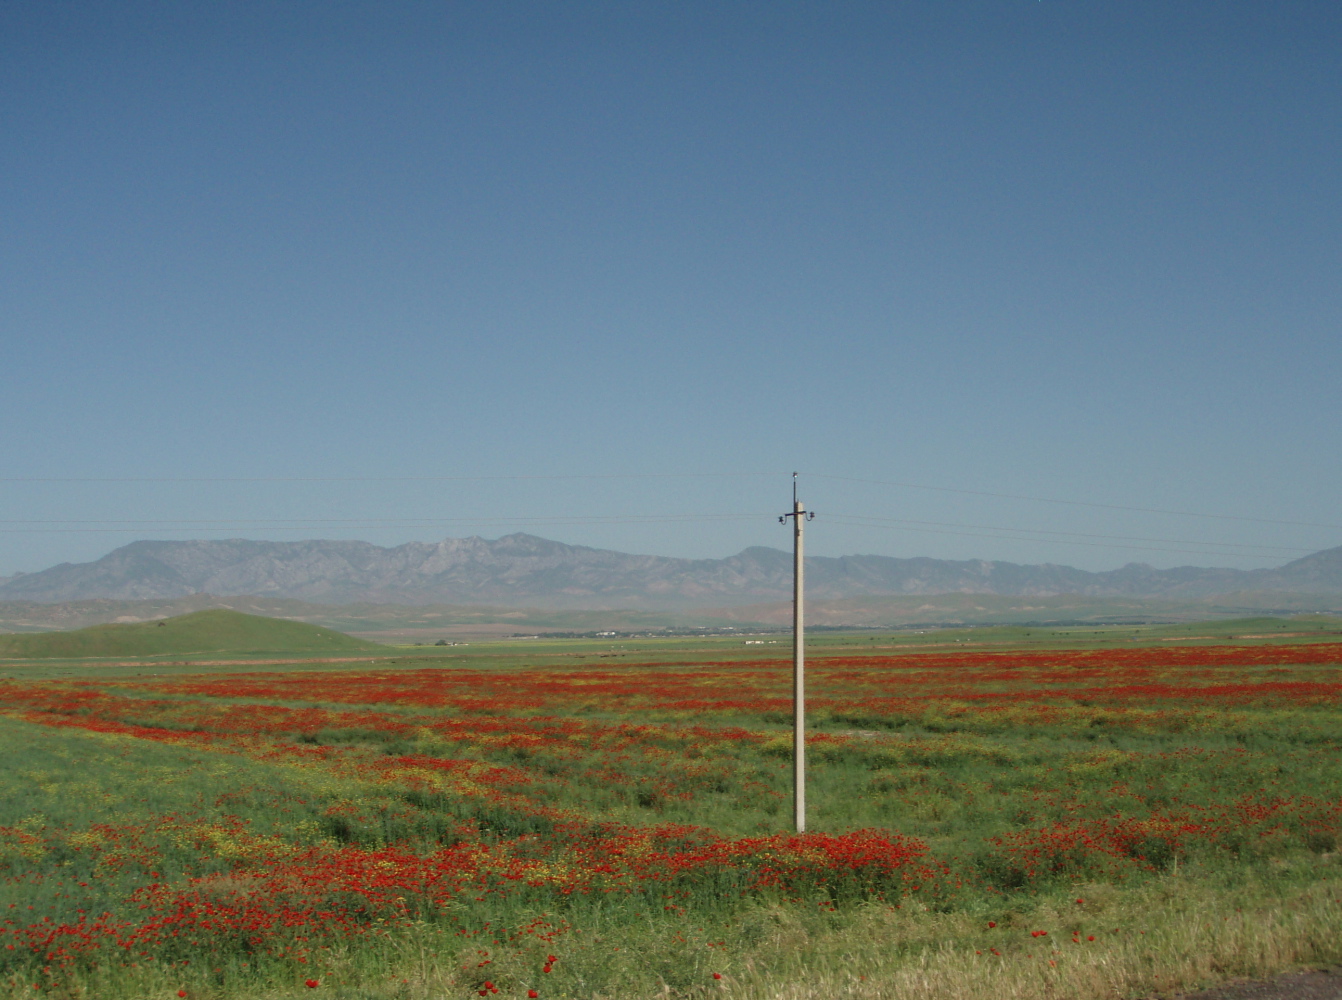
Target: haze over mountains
{"x": 523, "y": 570}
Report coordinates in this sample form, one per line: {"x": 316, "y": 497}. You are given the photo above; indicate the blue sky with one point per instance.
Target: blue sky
{"x": 1076, "y": 250}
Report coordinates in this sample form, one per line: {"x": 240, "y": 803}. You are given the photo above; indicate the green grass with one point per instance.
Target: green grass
{"x": 1180, "y": 927}
{"x": 1250, "y": 907}
{"x": 51, "y": 655}
{"x": 55, "y": 661}
{"x": 1239, "y": 631}
{"x": 217, "y": 631}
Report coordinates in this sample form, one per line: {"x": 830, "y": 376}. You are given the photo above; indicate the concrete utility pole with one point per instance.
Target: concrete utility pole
{"x": 799, "y": 517}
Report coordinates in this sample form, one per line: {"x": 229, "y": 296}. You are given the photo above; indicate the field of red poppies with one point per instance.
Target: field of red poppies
{"x": 583, "y": 828}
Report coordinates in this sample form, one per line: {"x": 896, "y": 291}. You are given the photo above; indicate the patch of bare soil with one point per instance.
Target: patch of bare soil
{"x": 1319, "y": 984}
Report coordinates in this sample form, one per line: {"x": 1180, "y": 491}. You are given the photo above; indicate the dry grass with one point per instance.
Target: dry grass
{"x": 1194, "y": 937}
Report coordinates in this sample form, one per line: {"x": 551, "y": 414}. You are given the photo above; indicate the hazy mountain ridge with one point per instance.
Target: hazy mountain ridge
{"x": 524, "y": 570}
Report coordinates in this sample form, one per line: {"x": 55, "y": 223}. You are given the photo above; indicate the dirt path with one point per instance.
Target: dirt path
{"x": 1316, "y": 985}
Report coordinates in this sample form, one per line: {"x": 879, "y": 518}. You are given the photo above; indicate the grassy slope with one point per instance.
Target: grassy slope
{"x": 215, "y": 631}
{"x": 418, "y": 623}
{"x": 31, "y": 616}
{"x": 519, "y": 653}
{"x": 28, "y": 616}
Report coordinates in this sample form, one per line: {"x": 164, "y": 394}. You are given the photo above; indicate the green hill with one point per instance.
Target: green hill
{"x": 213, "y": 632}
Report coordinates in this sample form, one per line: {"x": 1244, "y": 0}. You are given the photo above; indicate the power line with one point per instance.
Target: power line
{"x": 1271, "y": 549}
{"x": 179, "y": 525}
{"x": 648, "y": 475}
{"x": 849, "y": 520}
{"x": 1074, "y": 503}
{"x": 384, "y": 479}
{"x": 1101, "y": 545}
{"x": 393, "y": 521}
{"x": 360, "y": 523}
{"x": 230, "y": 524}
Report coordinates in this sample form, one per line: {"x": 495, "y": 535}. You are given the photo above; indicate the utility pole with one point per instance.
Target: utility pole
{"x": 799, "y": 517}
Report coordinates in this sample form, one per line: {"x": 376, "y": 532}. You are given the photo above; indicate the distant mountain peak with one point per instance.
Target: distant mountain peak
{"x": 527, "y": 570}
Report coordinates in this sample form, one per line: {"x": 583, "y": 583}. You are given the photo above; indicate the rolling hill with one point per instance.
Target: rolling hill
{"x": 218, "y": 631}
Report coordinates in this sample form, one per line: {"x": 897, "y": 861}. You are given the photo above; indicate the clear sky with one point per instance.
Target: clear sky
{"x": 1060, "y": 248}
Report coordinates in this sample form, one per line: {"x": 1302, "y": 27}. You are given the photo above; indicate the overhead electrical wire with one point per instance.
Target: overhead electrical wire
{"x": 295, "y": 524}
{"x": 1074, "y": 503}
{"x": 1037, "y": 535}
{"x": 1065, "y": 534}
{"x": 1212, "y": 550}
{"x": 578, "y": 476}
{"x": 397, "y": 520}
{"x": 384, "y": 479}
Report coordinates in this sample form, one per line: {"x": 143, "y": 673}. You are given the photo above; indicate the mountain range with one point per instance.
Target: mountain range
{"x": 523, "y": 570}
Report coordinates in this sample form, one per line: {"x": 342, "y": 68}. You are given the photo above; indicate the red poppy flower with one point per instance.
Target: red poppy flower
{"x": 992, "y": 923}
{"x": 311, "y": 984}
{"x": 717, "y": 975}
{"x": 532, "y": 994}
{"x": 1091, "y": 938}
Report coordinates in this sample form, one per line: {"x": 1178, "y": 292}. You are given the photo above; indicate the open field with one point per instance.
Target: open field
{"x": 391, "y": 623}
{"x": 1009, "y": 812}
{"x": 377, "y": 621}
{"x": 986, "y": 609}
